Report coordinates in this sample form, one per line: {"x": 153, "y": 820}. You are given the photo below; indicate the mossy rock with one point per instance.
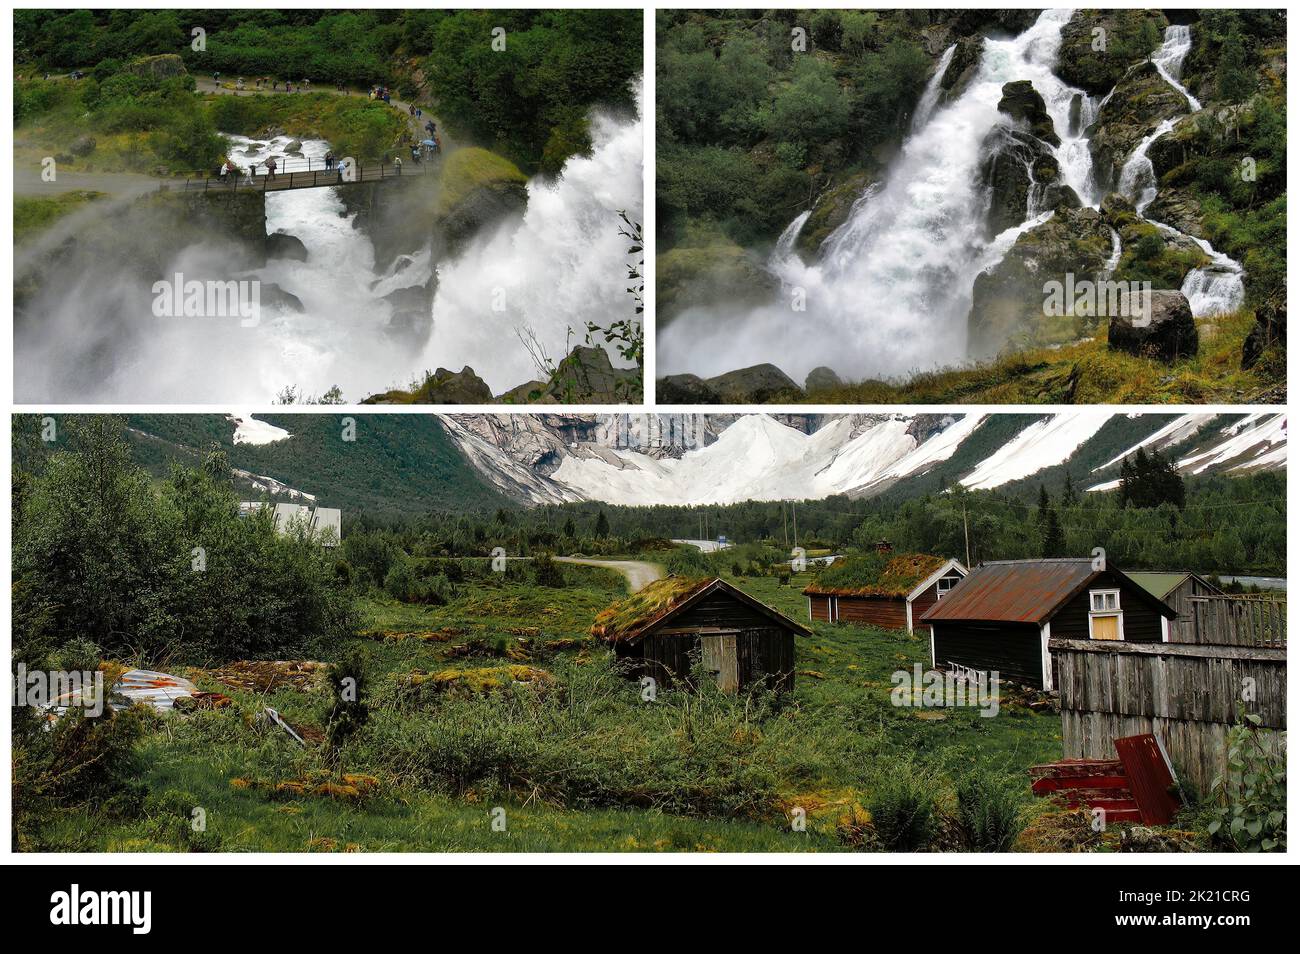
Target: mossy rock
{"x": 478, "y": 188}
{"x": 719, "y": 273}
{"x": 1127, "y": 40}
{"x": 831, "y": 211}
{"x": 481, "y": 681}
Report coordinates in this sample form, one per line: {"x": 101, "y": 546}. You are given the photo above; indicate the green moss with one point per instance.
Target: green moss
{"x": 466, "y": 170}
{"x": 32, "y": 215}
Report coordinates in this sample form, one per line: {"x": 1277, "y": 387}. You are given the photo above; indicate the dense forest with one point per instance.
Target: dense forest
{"x": 529, "y": 101}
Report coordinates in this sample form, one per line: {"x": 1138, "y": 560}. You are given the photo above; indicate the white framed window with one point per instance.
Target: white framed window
{"x": 943, "y": 586}
{"x": 1104, "y": 601}
{"x": 1105, "y": 617}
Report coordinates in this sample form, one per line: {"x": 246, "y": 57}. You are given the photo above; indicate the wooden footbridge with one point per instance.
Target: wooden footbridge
{"x": 299, "y": 174}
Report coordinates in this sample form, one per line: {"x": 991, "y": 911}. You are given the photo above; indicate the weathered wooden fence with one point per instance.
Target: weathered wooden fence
{"x": 1257, "y": 620}
{"x": 1187, "y": 695}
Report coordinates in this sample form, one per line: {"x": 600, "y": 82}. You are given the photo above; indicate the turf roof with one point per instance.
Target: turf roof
{"x": 873, "y": 575}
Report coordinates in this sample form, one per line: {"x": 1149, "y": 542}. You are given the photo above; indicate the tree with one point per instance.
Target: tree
{"x": 602, "y": 525}
{"x": 1235, "y": 81}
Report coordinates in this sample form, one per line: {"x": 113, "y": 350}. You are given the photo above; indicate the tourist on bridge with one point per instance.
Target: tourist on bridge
{"x": 397, "y": 164}
{"x": 270, "y": 167}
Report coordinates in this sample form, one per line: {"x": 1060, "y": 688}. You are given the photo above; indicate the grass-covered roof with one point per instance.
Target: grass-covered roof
{"x": 629, "y": 617}
{"x": 874, "y": 574}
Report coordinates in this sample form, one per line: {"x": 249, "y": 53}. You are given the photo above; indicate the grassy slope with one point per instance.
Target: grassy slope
{"x": 31, "y": 215}
{"x": 842, "y": 670}
{"x": 1040, "y": 376}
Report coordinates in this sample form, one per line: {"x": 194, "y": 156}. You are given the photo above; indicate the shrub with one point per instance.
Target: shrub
{"x": 902, "y": 812}
{"x": 546, "y": 572}
{"x": 1254, "y": 816}
{"x": 989, "y": 811}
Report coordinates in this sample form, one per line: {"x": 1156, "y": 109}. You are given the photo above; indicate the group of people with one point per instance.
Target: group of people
{"x": 381, "y": 93}
{"x": 265, "y": 83}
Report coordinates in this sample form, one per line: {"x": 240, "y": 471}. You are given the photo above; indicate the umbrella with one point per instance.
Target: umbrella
{"x": 428, "y": 142}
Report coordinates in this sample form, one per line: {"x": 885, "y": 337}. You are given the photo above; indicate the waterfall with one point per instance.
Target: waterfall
{"x": 548, "y": 273}
{"x": 1168, "y": 60}
{"x": 891, "y": 291}
{"x": 1137, "y": 180}
{"x": 1219, "y": 287}
{"x": 784, "y": 250}
{"x": 932, "y": 90}
{"x": 1116, "y": 250}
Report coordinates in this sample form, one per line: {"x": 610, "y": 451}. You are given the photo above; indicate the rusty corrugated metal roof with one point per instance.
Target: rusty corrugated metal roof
{"x": 1013, "y": 591}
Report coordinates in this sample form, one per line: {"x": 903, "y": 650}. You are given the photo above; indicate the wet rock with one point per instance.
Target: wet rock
{"x": 478, "y": 189}
{"x": 821, "y": 379}
{"x": 1123, "y": 41}
{"x": 962, "y": 68}
{"x": 1142, "y": 101}
{"x": 284, "y": 245}
{"x": 1022, "y": 103}
{"x": 1018, "y": 169}
{"x": 1161, "y": 328}
{"x": 275, "y": 296}
{"x": 1116, "y": 209}
{"x": 294, "y": 145}
{"x": 755, "y": 385}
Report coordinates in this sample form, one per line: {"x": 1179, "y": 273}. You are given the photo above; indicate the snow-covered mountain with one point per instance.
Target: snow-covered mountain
{"x": 720, "y": 459}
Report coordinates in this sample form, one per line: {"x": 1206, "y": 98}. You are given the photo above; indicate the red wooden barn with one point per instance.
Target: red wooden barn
{"x": 882, "y": 590}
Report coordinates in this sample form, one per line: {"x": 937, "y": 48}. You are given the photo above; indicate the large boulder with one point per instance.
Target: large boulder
{"x": 82, "y": 146}
{"x": 587, "y": 376}
{"x": 163, "y": 66}
{"x": 1155, "y": 324}
{"x": 284, "y": 245}
{"x": 758, "y": 384}
{"x": 1022, "y": 103}
{"x": 454, "y": 387}
{"x": 821, "y": 379}
{"x": 478, "y": 189}
{"x": 1022, "y": 176}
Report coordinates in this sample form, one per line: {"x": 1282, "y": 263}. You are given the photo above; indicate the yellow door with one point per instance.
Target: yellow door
{"x": 1105, "y": 627}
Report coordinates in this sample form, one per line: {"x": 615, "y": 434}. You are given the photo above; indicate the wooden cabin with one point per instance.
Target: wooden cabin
{"x": 1176, "y": 590}
{"x": 666, "y": 628}
{"x": 1000, "y": 617}
{"x": 888, "y": 591}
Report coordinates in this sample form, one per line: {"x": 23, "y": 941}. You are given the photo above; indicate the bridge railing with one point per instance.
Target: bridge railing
{"x": 311, "y": 173}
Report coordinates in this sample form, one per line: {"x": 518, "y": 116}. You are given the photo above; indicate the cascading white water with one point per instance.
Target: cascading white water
{"x": 1217, "y": 288}
{"x": 545, "y": 275}
{"x": 891, "y": 291}
{"x": 1168, "y": 60}
{"x": 784, "y": 249}
{"x": 1137, "y": 180}
{"x": 933, "y": 89}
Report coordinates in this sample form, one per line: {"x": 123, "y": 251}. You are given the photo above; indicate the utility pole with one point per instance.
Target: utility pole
{"x": 794, "y": 517}
{"x": 785, "y": 534}
{"x": 965, "y": 526}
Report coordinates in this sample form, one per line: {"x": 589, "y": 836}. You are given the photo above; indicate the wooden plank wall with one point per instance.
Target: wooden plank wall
{"x": 1237, "y": 621}
{"x": 1187, "y": 695}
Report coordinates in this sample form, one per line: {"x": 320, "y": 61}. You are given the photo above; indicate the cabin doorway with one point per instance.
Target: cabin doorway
{"x": 718, "y": 656}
